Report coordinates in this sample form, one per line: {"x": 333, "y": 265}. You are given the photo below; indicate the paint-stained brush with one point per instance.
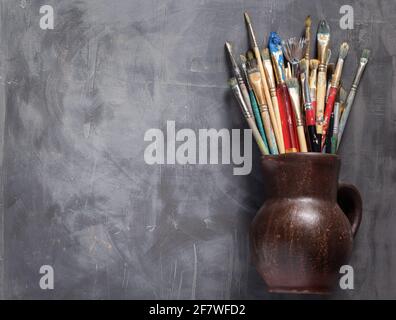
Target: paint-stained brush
{"x": 238, "y": 76}
{"x": 266, "y": 90}
{"x": 269, "y": 73}
{"x": 313, "y": 75}
{"x": 233, "y": 83}
{"x": 294, "y": 92}
{"x": 323, "y": 39}
{"x": 309, "y": 112}
{"x": 335, "y": 81}
{"x": 253, "y": 101}
{"x": 256, "y": 83}
{"x": 352, "y": 93}
{"x": 286, "y": 110}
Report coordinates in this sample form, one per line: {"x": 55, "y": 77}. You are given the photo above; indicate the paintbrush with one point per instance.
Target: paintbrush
{"x": 253, "y": 101}
{"x": 309, "y": 113}
{"x": 266, "y": 90}
{"x": 313, "y": 65}
{"x": 238, "y": 76}
{"x": 256, "y": 83}
{"x": 352, "y": 93}
{"x": 334, "y": 137}
{"x": 285, "y": 107}
{"x": 334, "y": 87}
{"x": 294, "y": 51}
{"x": 323, "y": 38}
{"x": 269, "y": 73}
{"x": 294, "y": 92}
{"x": 307, "y": 23}
{"x": 233, "y": 83}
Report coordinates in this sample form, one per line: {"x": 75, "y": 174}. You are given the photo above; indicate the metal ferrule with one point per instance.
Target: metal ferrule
{"x": 295, "y": 98}
{"x": 244, "y": 70}
{"x": 306, "y": 92}
{"x": 322, "y": 68}
{"x": 279, "y": 69}
{"x": 322, "y": 47}
{"x": 269, "y": 72}
{"x": 263, "y": 107}
{"x": 359, "y": 73}
{"x": 335, "y": 80}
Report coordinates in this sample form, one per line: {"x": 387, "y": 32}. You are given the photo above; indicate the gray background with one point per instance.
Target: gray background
{"x": 76, "y": 192}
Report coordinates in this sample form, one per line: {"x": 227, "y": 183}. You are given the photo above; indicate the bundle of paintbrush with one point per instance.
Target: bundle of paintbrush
{"x": 292, "y": 101}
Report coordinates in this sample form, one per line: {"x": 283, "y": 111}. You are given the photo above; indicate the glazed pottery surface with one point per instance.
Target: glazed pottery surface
{"x": 304, "y": 231}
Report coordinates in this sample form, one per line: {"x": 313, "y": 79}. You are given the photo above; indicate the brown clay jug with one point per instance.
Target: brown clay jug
{"x": 303, "y": 233}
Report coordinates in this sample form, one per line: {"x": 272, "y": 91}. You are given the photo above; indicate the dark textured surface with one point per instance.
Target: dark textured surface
{"x": 77, "y": 193}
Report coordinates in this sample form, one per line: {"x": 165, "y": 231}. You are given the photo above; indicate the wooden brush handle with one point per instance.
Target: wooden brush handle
{"x": 291, "y": 125}
{"x": 267, "y": 95}
{"x": 320, "y": 98}
{"x": 256, "y": 134}
{"x": 279, "y": 140}
{"x": 301, "y": 139}
{"x": 328, "y": 111}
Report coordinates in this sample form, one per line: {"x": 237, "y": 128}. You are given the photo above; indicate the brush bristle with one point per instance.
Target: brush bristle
{"x": 265, "y": 54}
{"x": 232, "y": 82}
{"x": 250, "y": 55}
{"x": 313, "y": 64}
{"x": 344, "y": 50}
{"x": 308, "y": 22}
{"x": 323, "y": 28}
{"x": 242, "y": 58}
{"x": 294, "y": 49}
{"x": 292, "y": 83}
{"x": 247, "y": 18}
{"x": 365, "y": 54}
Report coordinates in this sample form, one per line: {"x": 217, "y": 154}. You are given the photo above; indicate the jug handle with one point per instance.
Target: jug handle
{"x": 350, "y": 201}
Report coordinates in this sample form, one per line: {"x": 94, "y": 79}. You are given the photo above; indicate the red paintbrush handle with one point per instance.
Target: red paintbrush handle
{"x": 310, "y": 117}
{"x": 328, "y": 111}
{"x": 282, "y": 113}
{"x": 290, "y": 118}
{"x": 314, "y": 107}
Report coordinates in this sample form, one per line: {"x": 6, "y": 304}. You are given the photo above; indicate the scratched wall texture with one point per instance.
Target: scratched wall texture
{"x": 76, "y": 193}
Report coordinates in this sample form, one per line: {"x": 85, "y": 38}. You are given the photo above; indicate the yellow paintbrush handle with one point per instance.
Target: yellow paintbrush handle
{"x": 301, "y": 139}
{"x": 281, "y": 144}
{"x": 320, "y": 98}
